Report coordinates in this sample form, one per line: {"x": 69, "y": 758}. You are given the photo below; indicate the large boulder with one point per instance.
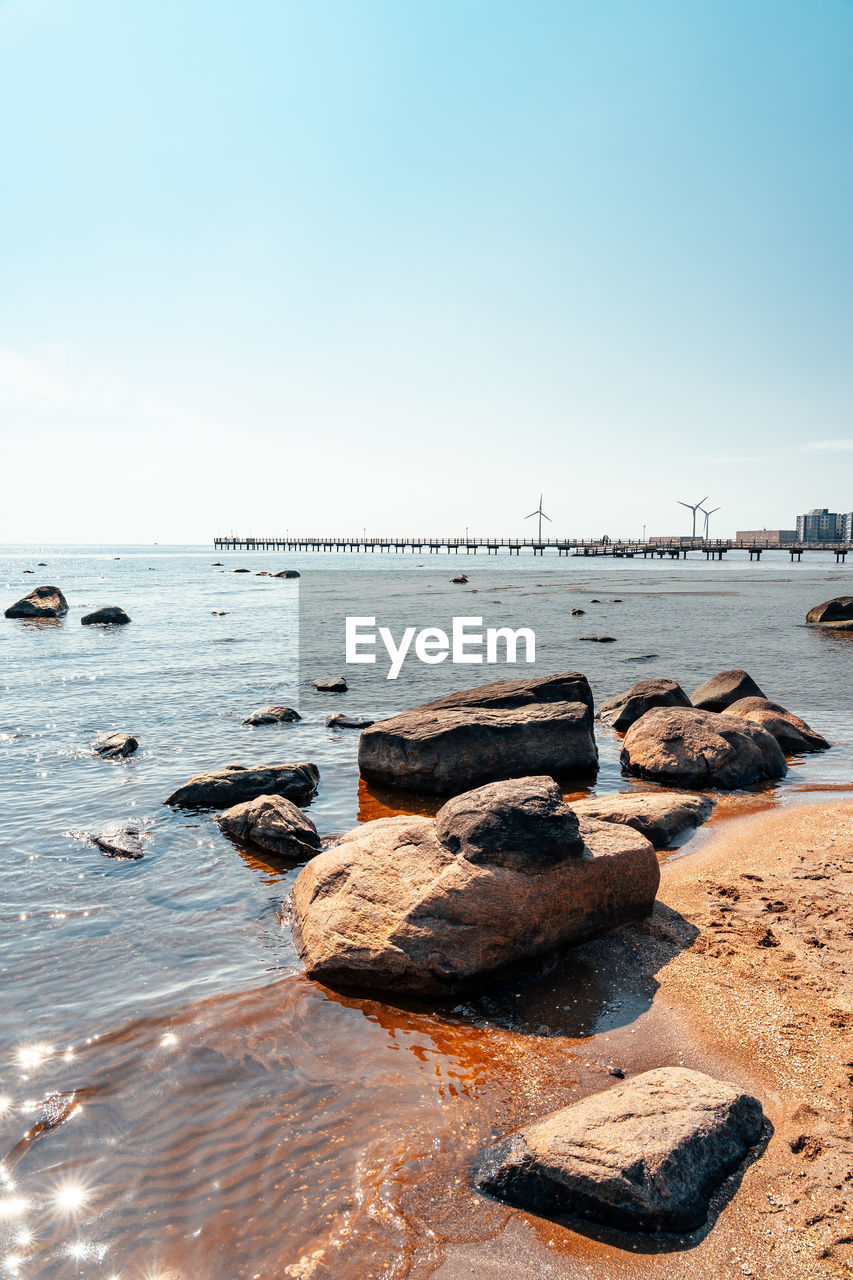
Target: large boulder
{"x": 621, "y": 712}
{"x": 415, "y": 904}
{"x": 570, "y": 686}
{"x": 645, "y": 1155}
{"x": 684, "y": 747}
{"x": 222, "y": 788}
{"x": 725, "y": 688}
{"x": 658, "y": 815}
{"x": 274, "y": 824}
{"x": 110, "y": 616}
{"x": 452, "y": 749}
{"x": 42, "y": 602}
{"x": 837, "y": 613}
{"x": 273, "y": 715}
{"x": 794, "y": 736}
{"x": 115, "y": 745}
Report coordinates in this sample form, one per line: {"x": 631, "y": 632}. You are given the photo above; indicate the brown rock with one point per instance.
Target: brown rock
{"x": 523, "y": 823}
{"x": 621, "y": 712}
{"x": 570, "y": 686}
{"x": 114, "y": 745}
{"x": 273, "y": 715}
{"x": 392, "y": 906}
{"x": 110, "y": 616}
{"x": 725, "y": 688}
{"x": 645, "y": 1155}
{"x": 272, "y": 823}
{"x": 452, "y": 749}
{"x": 658, "y": 815}
{"x": 685, "y": 747}
{"x": 348, "y": 722}
{"x": 229, "y": 786}
{"x": 838, "y": 610}
{"x": 794, "y": 736}
{"x": 43, "y": 602}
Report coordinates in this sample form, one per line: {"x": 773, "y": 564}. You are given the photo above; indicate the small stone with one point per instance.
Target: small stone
{"x": 110, "y": 616}
{"x": 348, "y": 722}
{"x": 115, "y": 745}
{"x": 331, "y": 684}
{"x": 273, "y": 715}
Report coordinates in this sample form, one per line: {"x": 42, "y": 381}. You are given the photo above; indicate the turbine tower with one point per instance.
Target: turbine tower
{"x": 541, "y": 514}
{"x": 707, "y": 515}
{"x": 694, "y": 508}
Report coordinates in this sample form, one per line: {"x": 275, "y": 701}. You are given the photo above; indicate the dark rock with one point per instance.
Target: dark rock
{"x": 461, "y": 577}
{"x": 393, "y": 907}
{"x": 118, "y": 842}
{"x": 287, "y": 573}
{"x": 43, "y": 602}
{"x": 348, "y": 722}
{"x": 645, "y": 1155}
{"x": 578, "y": 613}
{"x": 113, "y": 745}
{"x": 273, "y": 715}
{"x": 226, "y": 787}
{"x": 838, "y": 610}
{"x": 241, "y": 570}
{"x": 621, "y": 712}
{"x": 686, "y": 747}
{"x": 334, "y": 684}
{"x": 452, "y": 749}
{"x": 615, "y": 600}
{"x": 617, "y": 1072}
{"x": 42, "y": 564}
{"x": 642, "y": 657}
{"x": 794, "y": 736}
{"x": 598, "y": 639}
{"x": 521, "y": 824}
{"x": 217, "y": 564}
{"x": 595, "y": 601}
{"x": 28, "y": 570}
{"x": 110, "y": 616}
{"x": 220, "y": 613}
{"x": 725, "y": 688}
{"x": 658, "y": 815}
{"x": 272, "y": 823}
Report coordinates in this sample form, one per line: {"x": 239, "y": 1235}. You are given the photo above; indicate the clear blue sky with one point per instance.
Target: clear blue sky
{"x": 404, "y": 264}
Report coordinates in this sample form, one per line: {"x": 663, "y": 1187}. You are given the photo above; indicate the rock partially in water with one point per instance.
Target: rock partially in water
{"x": 460, "y": 578}
{"x": 645, "y": 1155}
{"x": 685, "y": 747}
{"x": 42, "y": 602}
{"x": 598, "y": 639}
{"x": 273, "y": 715}
{"x": 220, "y": 613}
{"x": 331, "y": 684}
{"x": 110, "y": 616}
{"x": 348, "y": 722}
{"x": 622, "y": 711}
{"x": 416, "y": 904}
{"x": 450, "y": 749}
{"x": 272, "y": 823}
{"x": 222, "y": 788}
{"x": 119, "y": 842}
{"x": 659, "y": 815}
{"x": 794, "y": 736}
{"x": 241, "y": 570}
{"x": 723, "y": 689}
{"x": 569, "y": 686}
{"x": 578, "y": 613}
{"x": 287, "y": 573}
{"x": 115, "y": 745}
{"x": 833, "y": 613}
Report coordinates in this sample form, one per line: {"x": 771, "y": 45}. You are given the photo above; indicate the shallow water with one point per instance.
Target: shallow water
{"x": 228, "y": 1116}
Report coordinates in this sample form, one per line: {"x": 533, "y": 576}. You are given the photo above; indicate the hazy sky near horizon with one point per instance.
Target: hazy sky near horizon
{"x": 402, "y": 266}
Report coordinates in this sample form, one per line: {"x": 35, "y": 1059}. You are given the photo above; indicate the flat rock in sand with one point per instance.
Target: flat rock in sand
{"x": 645, "y": 1155}
{"x": 222, "y": 788}
{"x": 659, "y": 815}
{"x": 272, "y": 823}
{"x": 415, "y": 904}
{"x": 622, "y": 711}
{"x": 685, "y": 747}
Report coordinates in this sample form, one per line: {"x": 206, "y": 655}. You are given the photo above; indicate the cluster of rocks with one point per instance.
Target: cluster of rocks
{"x": 49, "y": 602}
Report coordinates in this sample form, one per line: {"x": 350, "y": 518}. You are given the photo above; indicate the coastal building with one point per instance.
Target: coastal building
{"x": 767, "y": 537}
{"x": 820, "y": 525}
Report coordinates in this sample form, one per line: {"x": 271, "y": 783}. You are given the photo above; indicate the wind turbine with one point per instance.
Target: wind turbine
{"x": 707, "y": 515}
{"x": 690, "y": 507}
{"x": 541, "y": 514}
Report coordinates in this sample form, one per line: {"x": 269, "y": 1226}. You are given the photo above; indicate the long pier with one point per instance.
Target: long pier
{"x": 660, "y": 548}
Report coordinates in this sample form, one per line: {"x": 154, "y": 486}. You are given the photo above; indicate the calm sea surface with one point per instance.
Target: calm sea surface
{"x": 176, "y": 1099}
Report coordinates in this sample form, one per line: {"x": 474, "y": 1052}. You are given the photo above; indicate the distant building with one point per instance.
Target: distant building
{"x": 767, "y": 537}
{"x": 820, "y": 525}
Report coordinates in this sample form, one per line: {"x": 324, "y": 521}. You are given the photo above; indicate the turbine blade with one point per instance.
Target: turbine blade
{"x": 548, "y": 518}
{"x": 532, "y": 514}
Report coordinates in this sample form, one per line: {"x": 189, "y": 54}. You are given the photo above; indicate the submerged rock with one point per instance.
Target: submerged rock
{"x": 272, "y": 823}
{"x": 659, "y": 815}
{"x": 110, "y": 616}
{"x": 794, "y": 736}
{"x": 332, "y": 684}
{"x": 449, "y": 749}
{"x": 837, "y": 613}
{"x": 723, "y": 689}
{"x": 226, "y": 787}
{"x": 273, "y": 715}
{"x": 622, "y": 711}
{"x": 42, "y": 602}
{"x": 348, "y": 722}
{"x": 645, "y": 1155}
{"x": 686, "y": 747}
{"x": 115, "y": 745}
{"x": 599, "y": 639}
{"x": 415, "y": 904}
{"x": 118, "y": 842}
